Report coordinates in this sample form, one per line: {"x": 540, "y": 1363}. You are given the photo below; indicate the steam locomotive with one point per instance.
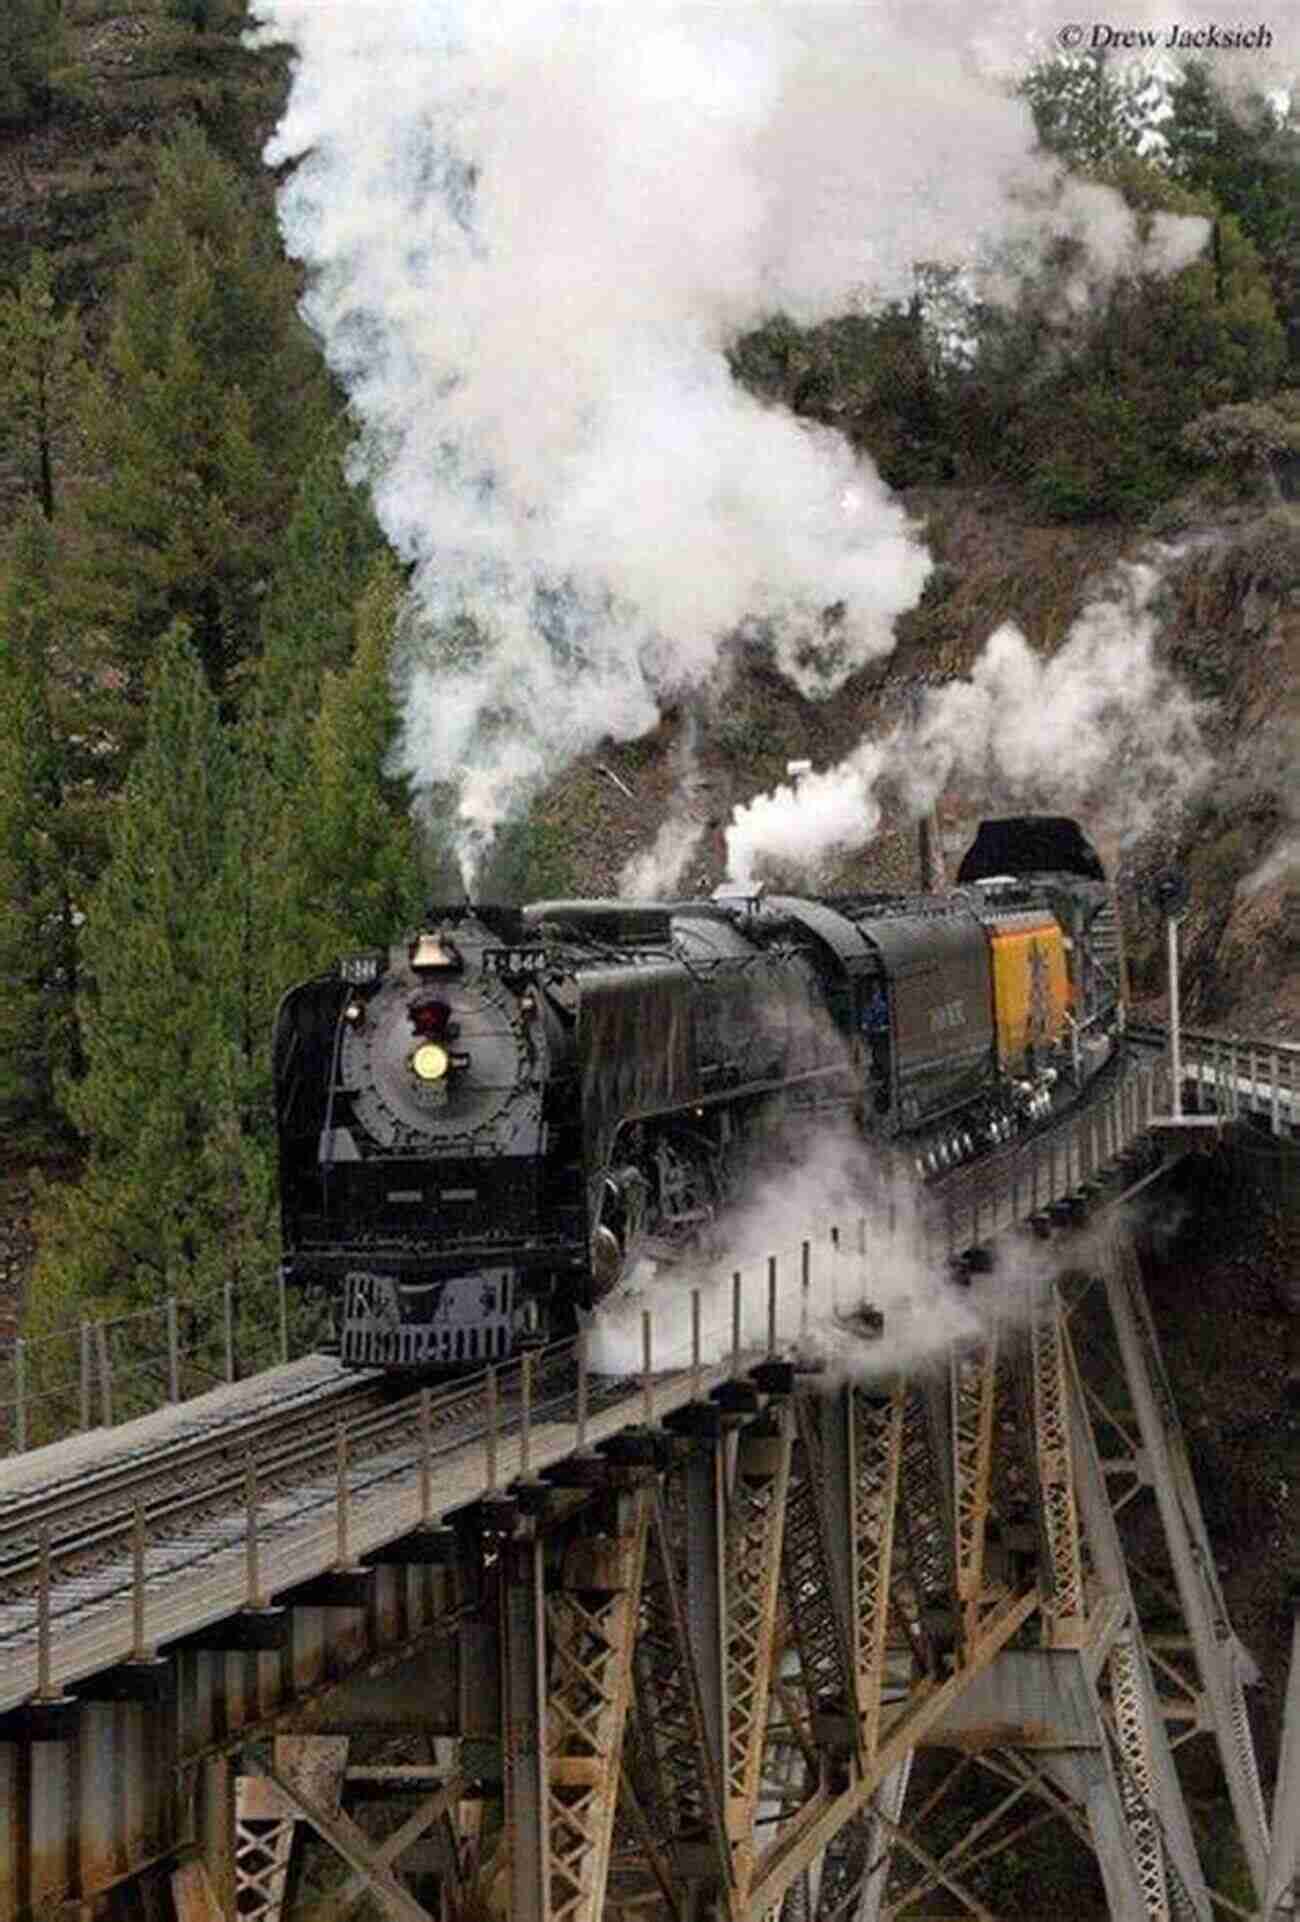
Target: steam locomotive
{"x": 482, "y": 1126}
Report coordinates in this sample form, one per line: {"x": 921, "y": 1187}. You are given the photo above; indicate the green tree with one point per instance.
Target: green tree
{"x": 1247, "y": 157}
{"x": 42, "y": 377}
{"x": 356, "y": 872}
{"x": 321, "y": 565}
{"x": 210, "y": 400}
{"x": 39, "y": 849}
{"x": 203, "y": 16}
{"x": 176, "y": 1187}
{"x": 1089, "y": 111}
{"x": 33, "y": 60}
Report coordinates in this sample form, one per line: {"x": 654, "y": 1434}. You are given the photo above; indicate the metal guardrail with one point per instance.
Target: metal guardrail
{"x": 99, "y": 1372}
{"x": 1237, "y": 1074}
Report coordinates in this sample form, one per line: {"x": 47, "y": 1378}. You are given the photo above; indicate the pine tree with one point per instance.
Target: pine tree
{"x": 210, "y": 401}
{"x": 39, "y": 849}
{"x": 42, "y": 376}
{"x": 33, "y": 60}
{"x": 322, "y": 564}
{"x": 175, "y": 1182}
{"x": 1247, "y": 156}
{"x": 355, "y": 874}
{"x": 1089, "y": 112}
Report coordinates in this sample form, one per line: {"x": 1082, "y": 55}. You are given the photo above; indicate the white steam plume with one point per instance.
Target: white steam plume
{"x": 884, "y": 1262}
{"x": 657, "y": 872}
{"x": 531, "y": 232}
{"x": 1099, "y": 728}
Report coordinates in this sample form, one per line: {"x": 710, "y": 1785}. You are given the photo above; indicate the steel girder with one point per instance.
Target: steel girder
{"x": 1283, "y": 1899}
{"x": 720, "y": 1660}
{"x": 1223, "y": 1667}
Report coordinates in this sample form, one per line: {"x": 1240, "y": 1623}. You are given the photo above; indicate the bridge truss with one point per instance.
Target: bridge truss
{"x": 833, "y": 1652}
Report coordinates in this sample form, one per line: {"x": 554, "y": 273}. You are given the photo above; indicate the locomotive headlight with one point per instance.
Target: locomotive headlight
{"x": 430, "y": 1062}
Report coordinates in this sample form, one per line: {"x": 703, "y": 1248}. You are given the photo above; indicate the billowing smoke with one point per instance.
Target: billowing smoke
{"x": 1100, "y": 728}
{"x": 880, "y": 1297}
{"x": 531, "y": 232}
{"x": 658, "y": 872}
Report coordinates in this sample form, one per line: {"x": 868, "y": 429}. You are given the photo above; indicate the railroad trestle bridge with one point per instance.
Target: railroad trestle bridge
{"x": 756, "y": 1630}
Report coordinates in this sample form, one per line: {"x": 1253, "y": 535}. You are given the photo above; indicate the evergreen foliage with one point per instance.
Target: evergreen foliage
{"x": 38, "y": 850}
{"x": 42, "y": 377}
{"x": 34, "y": 62}
{"x": 356, "y": 872}
{"x": 1090, "y": 112}
{"x": 322, "y": 563}
{"x": 177, "y": 1189}
{"x": 208, "y": 403}
{"x": 1247, "y": 158}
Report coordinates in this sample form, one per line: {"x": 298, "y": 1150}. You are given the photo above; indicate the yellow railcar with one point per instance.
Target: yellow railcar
{"x": 1031, "y": 988}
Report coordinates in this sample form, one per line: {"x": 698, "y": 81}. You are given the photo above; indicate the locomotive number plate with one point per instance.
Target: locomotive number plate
{"x": 515, "y": 960}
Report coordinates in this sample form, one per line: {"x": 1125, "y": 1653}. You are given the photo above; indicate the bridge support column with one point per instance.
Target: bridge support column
{"x": 213, "y": 1826}
{"x": 1283, "y": 1900}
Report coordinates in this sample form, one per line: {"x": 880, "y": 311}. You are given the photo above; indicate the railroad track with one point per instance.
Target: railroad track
{"x": 192, "y": 1499}
{"x": 70, "y": 1518}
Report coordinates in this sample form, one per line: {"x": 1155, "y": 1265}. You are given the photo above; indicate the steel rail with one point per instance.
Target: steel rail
{"x": 459, "y": 1417}
{"x": 134, "y": 1465}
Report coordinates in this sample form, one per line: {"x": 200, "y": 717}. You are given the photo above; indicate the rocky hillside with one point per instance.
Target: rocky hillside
{"x": 1228, "y": 627}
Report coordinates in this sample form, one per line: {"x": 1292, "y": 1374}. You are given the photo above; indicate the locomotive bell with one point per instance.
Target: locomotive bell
{"x": 433, "y": 954}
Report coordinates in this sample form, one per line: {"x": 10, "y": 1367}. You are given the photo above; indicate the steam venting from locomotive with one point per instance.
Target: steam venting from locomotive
{"x": 533, "y": 232}
{"x": 1099, "y": 727}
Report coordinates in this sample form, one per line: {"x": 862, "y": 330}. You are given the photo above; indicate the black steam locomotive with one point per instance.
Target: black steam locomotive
{"x": 480, "y": 1127}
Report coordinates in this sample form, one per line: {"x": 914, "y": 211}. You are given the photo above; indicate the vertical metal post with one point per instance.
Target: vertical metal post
{"x": 771, "y": 1304}
{"x": 525, "y": 1414}
{"x": 283, "y": 1293}
{"x": 835, "y": 1270}
{"x": 1175, "y": 1035}
{"x": 20, "y": 1394}
{"x": 341, "y": 1467}
{"x": 86, "y": 1419}
{"x": 140, "y": 1651}
{"x": 228, "y": 1327}
{"x": 647, "y": 1371}
{"x": 173, "y": 1352}
{"x": 695, "y": 1344}
{"x": 805, "y": 1287}
{"x": 1254, "y": 1078}
{"x": 735, "y": 1322}
{"x": 1051, "y": 1168}
{"x": 43, "y": 1689}
{"x": 252, "y": 1572}
{"x": 582, "y": 1387}
{"x": 105, "y": 1375}
{"x": 426, "y": 1458}
{"x": 1275, "y": 1120}
{"x": 490, "y": 1433}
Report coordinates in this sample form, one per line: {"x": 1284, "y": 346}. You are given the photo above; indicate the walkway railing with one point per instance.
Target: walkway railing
{"x": 99, "y": 1372}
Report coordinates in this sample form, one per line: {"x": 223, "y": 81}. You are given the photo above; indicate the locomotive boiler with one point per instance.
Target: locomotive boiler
{"x": 481, "y": 1126}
